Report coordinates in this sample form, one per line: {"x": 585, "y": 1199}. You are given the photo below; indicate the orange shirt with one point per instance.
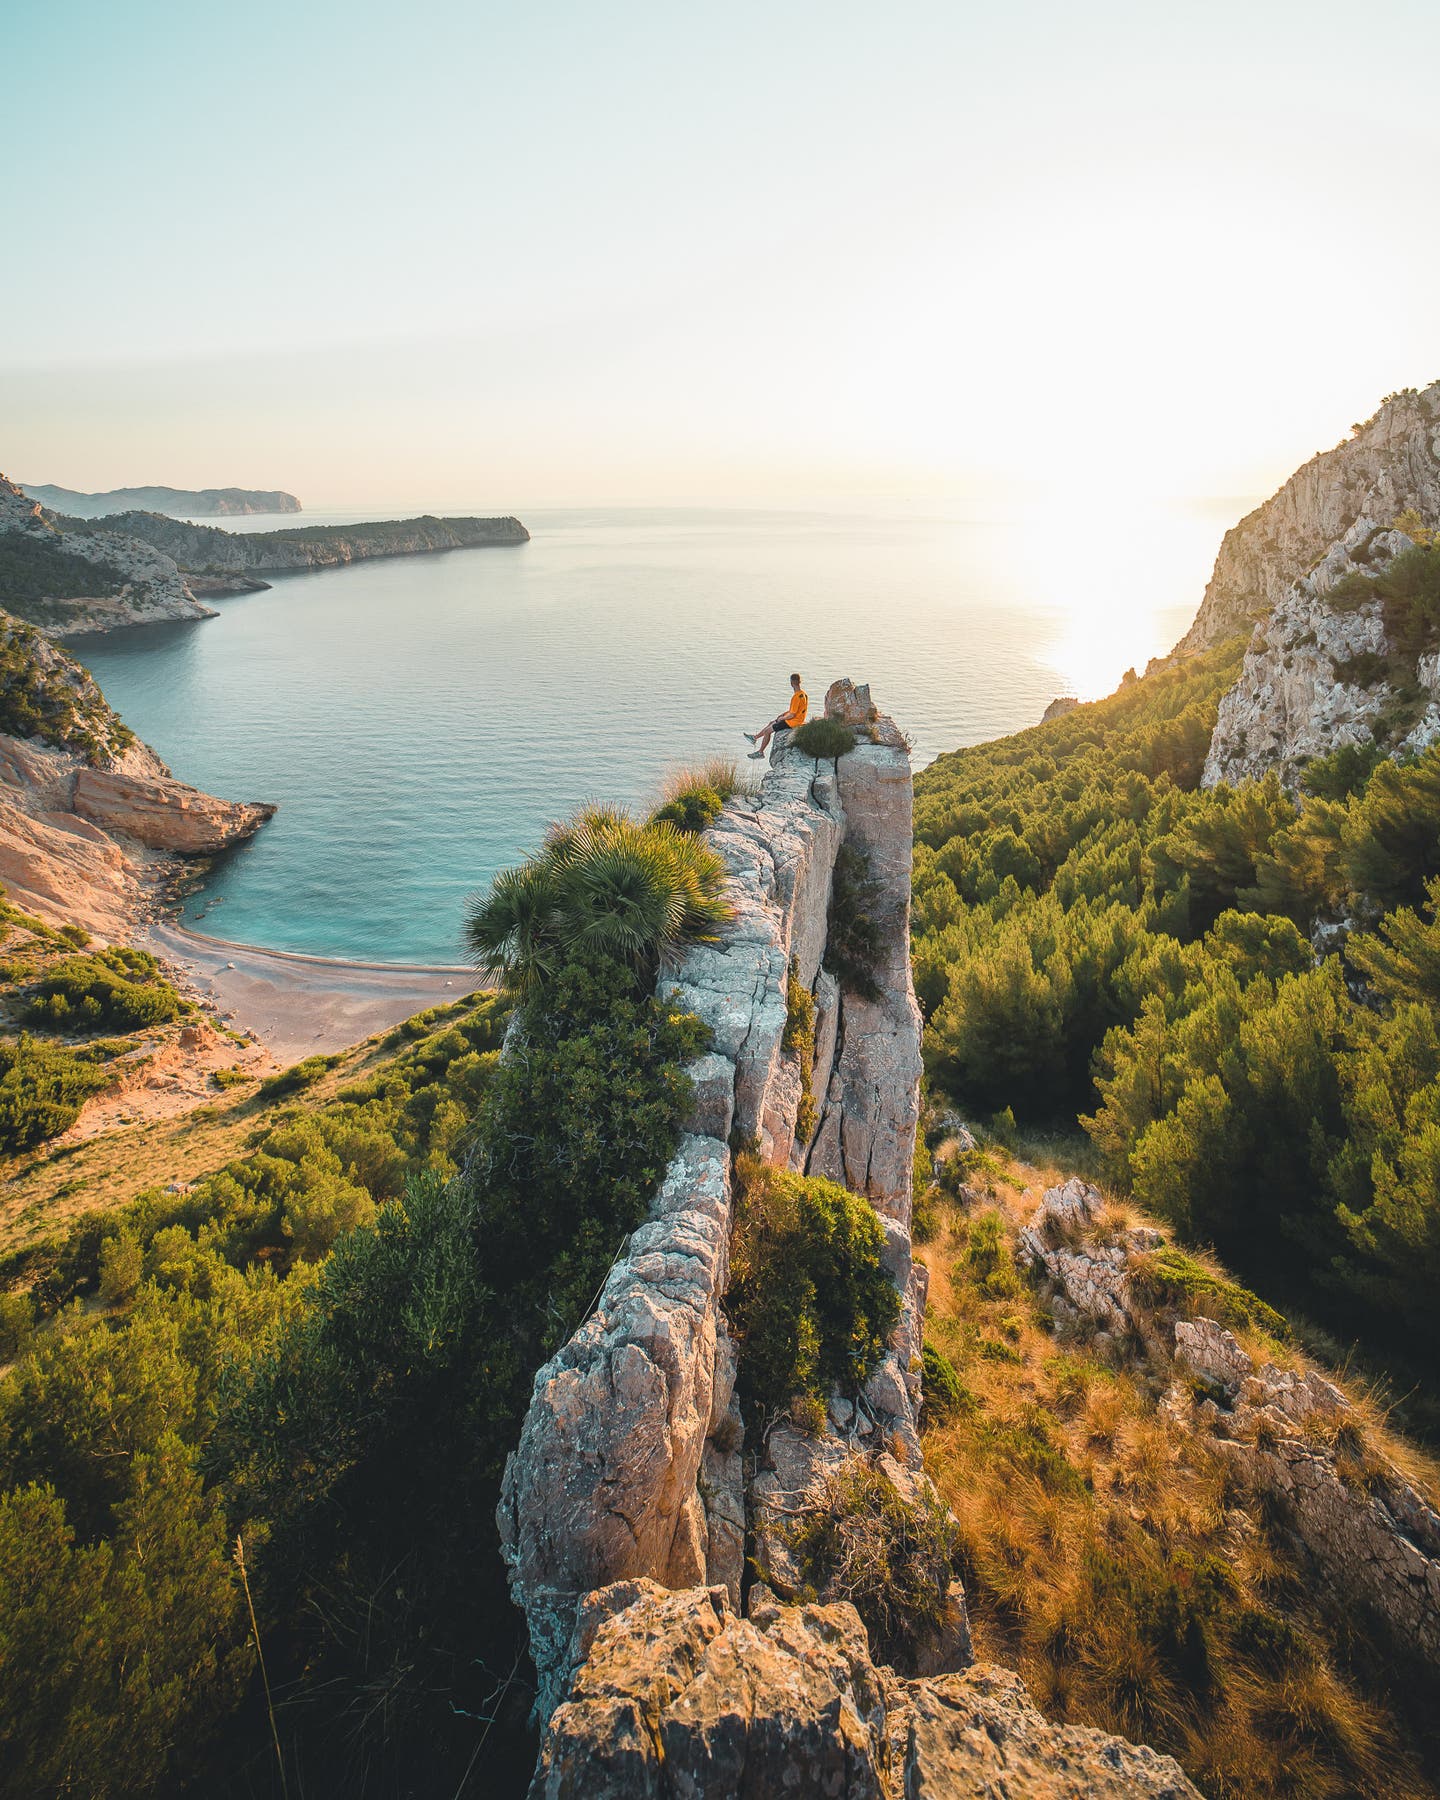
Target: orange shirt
{"x": 799, "y": 706}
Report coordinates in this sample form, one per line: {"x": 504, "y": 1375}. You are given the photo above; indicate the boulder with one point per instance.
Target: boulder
{"x": 673, "y": 1695}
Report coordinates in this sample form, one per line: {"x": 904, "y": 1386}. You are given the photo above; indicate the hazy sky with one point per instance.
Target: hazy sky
{"x": 458, "y": 253}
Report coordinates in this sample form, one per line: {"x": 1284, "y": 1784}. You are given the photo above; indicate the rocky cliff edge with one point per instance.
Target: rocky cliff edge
{"x": 644, "y": 1520}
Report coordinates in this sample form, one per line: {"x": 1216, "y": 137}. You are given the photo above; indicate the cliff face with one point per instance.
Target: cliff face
{"x": 639, "y": 1496}
{"x": 191, "y": 503}
{"x": 135, "y": 583}
{"x": 1392, "y": 464}
{"x": 205, "y": 549}
{"x": 85, "y": 809}
{"x": 1320, "y": 672}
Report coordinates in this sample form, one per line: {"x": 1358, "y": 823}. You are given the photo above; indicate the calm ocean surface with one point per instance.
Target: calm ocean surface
{"x": 420, "y": 719}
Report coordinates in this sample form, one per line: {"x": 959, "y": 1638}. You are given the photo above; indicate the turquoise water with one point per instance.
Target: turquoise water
{"x": 420, "y": 719}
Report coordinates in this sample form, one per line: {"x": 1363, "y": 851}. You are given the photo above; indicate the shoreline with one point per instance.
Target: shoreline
{"x": 296, "y": 1004}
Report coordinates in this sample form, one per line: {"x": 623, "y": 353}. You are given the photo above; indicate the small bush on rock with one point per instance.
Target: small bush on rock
{"x": 852, "y": 944}
{"x": 809, "y": 1298}
{"x": 892, "y": 1560}
{"x": 824, "y": 739}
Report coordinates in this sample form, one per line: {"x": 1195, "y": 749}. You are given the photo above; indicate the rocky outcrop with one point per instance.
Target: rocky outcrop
{"x": 135, "y": 583}
{"x": 1291, "y": 1435}
{"x": 84, "y": 806}
{"x": 672, "y": 1696}
{"x": 207, "y": 550}
{"x": 1319, "y": 673}
{"x": 1294, "y": 1437}
{"x": 188, "y": 503}
{"x": 162, "y": 813}
{"x": 628, "y": 1463}
{"x": 1392, "y": 463}
{"x": 1057, "y": 709}
{"x": 1088, "y": 1273}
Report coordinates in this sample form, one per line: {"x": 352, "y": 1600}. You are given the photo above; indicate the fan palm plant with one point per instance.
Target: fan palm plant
{"x": 605, "y": 882}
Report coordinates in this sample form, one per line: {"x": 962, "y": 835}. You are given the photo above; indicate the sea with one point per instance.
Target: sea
{"x": 420, "y": 720}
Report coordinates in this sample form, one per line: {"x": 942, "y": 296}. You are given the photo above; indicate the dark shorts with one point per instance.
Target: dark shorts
{"x": 780, "y": 725}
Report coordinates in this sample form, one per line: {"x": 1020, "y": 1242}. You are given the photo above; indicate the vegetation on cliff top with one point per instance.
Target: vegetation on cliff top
{"x": 1096, "y": 935}
{"x": 46, "y": 694}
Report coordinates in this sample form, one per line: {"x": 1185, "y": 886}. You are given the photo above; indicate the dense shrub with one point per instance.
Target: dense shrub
{"x": 824, "y": 739}
{"x": 43, "y": 694}
{"x": 692, "y": 798}
{"x": 691, "y": 810}
{"x": 1094, "y": 935}
{"x": 853, "y": 940}
{"x": 42, "y": 1088}
{"x": 119, "y": 989}
{"x": 810, "y": 1301}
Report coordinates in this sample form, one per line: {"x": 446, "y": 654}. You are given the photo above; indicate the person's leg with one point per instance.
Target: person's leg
{"x": 762, "y": 742}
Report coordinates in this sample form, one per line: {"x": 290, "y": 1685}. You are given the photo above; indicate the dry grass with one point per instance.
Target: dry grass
{"x": 1108, "y": 1556}
{"x": 722, "y": 773}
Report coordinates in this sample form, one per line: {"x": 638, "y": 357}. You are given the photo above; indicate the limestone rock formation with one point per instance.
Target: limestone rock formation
{"x": 1312, "y": 677}
{"x": 671, "y": 1695}
{"x": 1391, "y": 464}
{"x": 1057, "y": 709}
{"x": 84, "y": 806}
{"x": 135, "y": 583}
{"x": 1089, "y": 1274}
{"x": 627, "y": 1464}
{"x": 1294, "y": 1436}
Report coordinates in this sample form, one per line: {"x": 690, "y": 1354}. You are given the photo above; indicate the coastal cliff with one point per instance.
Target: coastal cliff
{"x": 207, "y": 550}
{"x": 1391, "y": 463}
{"x": 90, "y": 818}
{"x": 190, "y": 503}
{"x": 67, "y": 581}
{"x": 641, "y": 1504}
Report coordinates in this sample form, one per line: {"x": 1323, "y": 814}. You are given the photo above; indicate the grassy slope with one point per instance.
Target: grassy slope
{"x": 1110, "y": 1560}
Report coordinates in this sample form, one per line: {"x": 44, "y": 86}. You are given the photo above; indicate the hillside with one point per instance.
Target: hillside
{"x": 64, "y": 580}
{"x": 188, "y": 503}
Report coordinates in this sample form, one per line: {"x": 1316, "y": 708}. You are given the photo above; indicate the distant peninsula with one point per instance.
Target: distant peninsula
{"x": 188, "y": 503}
{"x": 207, "y": 551}
{"x": 65, "y": 574}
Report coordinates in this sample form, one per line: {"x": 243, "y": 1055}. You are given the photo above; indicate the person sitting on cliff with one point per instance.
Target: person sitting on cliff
{"x": 790, "y": 720}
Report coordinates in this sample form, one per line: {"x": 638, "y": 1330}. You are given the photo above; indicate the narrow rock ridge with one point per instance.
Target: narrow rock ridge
{"x": 1391, "y": 464}
{"x": 630, "y": 1461}
{"x": 1290, "y": 1435}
